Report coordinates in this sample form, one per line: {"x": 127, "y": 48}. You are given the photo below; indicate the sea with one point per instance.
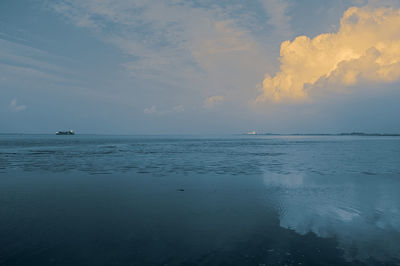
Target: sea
{"x": 199, "y": 200}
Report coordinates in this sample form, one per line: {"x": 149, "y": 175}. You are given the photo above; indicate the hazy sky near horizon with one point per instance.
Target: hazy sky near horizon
{"x": 177, "y": 67}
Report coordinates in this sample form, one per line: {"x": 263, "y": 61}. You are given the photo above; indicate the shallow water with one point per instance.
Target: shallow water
{"x": 184, "y": 200}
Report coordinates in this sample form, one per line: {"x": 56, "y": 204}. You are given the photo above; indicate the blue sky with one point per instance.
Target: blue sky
{"x": 156, "y": 67}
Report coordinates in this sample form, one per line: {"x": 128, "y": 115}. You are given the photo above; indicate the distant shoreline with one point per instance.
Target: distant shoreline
{"x": 328, "y": 134}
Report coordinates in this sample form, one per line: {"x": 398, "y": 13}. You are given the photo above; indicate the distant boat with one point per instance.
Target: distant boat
{"x": 69, "y": 132}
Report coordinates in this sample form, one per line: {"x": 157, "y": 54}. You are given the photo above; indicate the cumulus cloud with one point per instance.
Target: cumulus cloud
{"x": 14, "y": 106}
{"x": 178, "y": 108}
{"x": 366, "y": 48}
{"x": 154, "y": 111}
{"x": 212, "y": 101}
{"x": 151, "y": 110}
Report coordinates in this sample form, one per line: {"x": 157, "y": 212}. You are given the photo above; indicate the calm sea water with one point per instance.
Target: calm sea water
{"x": 240, "y": 200}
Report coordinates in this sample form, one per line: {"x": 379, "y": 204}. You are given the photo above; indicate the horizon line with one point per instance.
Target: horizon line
{"x": 231, "y": 134}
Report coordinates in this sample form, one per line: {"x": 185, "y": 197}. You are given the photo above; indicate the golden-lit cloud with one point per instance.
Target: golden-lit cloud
{"x": 365, "y": 48}
{"x": 212, "y": 101}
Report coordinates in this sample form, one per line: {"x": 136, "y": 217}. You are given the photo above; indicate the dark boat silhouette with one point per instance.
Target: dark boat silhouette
{"x": 69, "y": 132}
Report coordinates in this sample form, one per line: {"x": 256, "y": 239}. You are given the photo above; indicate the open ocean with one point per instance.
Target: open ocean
{"x": 186, "y": 200}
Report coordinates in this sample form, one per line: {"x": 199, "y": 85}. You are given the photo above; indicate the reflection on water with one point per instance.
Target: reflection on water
{"x": 244, "y": 200}
{"x": 361, "y": 211}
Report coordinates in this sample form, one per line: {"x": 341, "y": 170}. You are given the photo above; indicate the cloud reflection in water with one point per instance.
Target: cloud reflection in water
{"x": 361, "y": 211}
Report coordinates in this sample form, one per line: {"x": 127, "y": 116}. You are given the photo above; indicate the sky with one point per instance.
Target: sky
{"x": 199, "y": 67}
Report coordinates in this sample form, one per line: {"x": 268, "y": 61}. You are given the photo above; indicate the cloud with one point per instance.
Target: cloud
{"x": 212, "y": 101}
{"x": 178, "y": 109}
{"x": 158, "y": 35}
{"x": 278, "y": 17}
{"x": 18, "y": 60}
{"x": 154, "y": 111}
{"x": 15, "y": 107}
{"x": 151, "y": 110}
{"x": 204, "y": 48}
{"x": 366, "y": 48}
